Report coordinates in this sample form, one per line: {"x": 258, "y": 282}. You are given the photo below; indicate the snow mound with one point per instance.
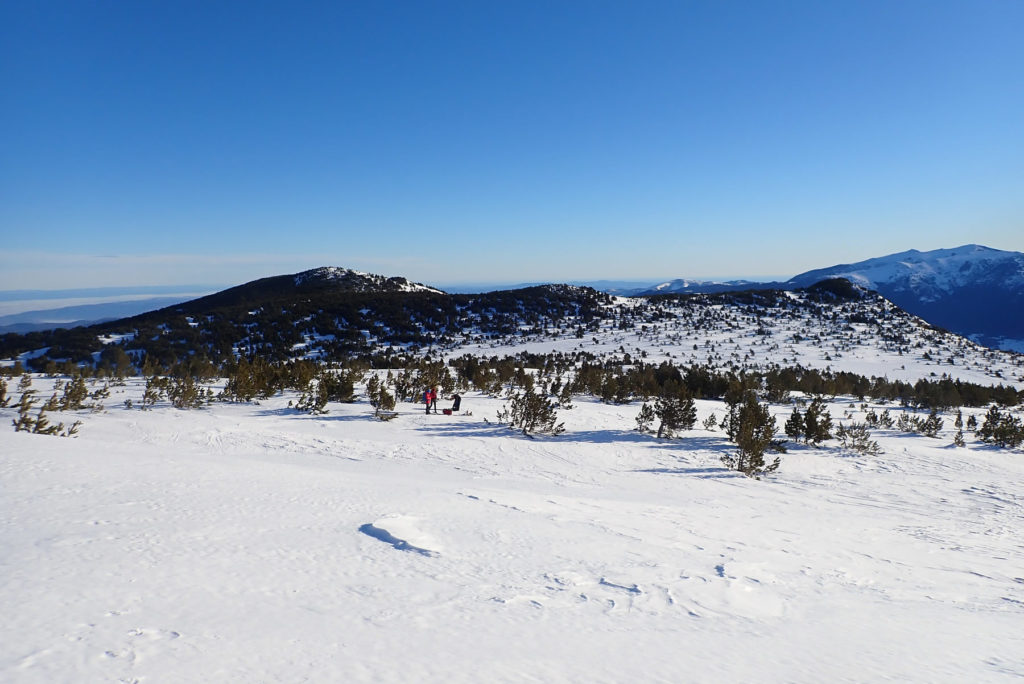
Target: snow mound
{"x": 403, "y": 533}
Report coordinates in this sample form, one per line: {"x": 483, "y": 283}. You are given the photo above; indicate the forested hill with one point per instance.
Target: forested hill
{"x": 332, "y": 315}
{"x": 341, "y": 312}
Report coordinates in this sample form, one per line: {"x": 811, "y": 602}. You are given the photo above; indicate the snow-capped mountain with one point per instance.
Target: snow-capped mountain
{"x": 931, "y": 275}
{"x": 357, "y": 281}
{"x": 688, "y": 286}
{"x": 972, "y": 290}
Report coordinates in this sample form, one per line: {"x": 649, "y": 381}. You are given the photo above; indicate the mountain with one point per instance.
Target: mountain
{"x": 687, "y": 286}
{"x": 317, "y": 281}
{"x": 972, "y": 290}
{"x": 969, "y": 290}
{"x": 328, "y": 313}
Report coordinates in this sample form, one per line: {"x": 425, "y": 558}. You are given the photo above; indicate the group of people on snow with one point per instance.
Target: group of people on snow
{"x": 430, "y": 399}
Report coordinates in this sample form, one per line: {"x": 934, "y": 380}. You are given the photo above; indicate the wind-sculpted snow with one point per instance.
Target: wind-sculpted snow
{"x": 246, "y": 542}
{"x": 379, "y": 532}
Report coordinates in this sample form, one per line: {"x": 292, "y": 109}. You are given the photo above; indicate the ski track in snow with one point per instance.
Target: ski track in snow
{"x": 252, "y": 543}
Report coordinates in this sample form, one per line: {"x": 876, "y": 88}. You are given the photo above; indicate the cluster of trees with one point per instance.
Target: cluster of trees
{"x": 39, "y": 423}
{"x": 1001, "y": 428}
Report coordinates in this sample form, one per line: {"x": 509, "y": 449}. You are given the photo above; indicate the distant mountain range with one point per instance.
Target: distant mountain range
{"x": 972, "y": 290}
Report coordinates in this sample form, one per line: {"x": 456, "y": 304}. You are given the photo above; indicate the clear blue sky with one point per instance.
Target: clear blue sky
{"x": 149, "y": 143}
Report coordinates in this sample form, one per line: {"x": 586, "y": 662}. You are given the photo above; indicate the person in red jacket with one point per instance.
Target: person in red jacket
{"x": 430, "y": 398}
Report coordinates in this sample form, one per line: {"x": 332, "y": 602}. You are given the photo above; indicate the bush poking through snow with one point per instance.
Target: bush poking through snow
{"x": 40, "y": 423}
{"x": 382, "y": 401}
{"x": 675, "y": 409}
{"x": 929, "y": 427}
{"x": 532, "y": 413}
{"x": 1001, "y": 429}
{"x": 856, "y": 437}
{"x": 645, "y": 418}
{"x": 817, "y": 422}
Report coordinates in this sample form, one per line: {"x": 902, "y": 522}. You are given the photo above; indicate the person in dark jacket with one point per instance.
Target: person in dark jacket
{"x": 456, "y": 402}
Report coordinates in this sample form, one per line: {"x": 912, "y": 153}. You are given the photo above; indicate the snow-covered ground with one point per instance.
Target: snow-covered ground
{"x": 251, "y": 543}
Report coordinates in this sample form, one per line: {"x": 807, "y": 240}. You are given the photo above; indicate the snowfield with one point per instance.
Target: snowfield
{"x": 252, "y": 543}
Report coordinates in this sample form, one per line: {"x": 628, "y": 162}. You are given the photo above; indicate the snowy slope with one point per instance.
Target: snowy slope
{"x": 250, "y": 543}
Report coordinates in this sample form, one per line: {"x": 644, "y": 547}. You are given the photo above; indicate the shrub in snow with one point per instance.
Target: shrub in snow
{"x": 754, "y": 430}
{"x": 380, "y": 399}
{"x": 645, "y": 418}
{"x": 795, "y": 425}
{"x": 676, "y": 410}
{"x": 1002, "y": 429}
{"x": 532, "y": 413}
{"x": 855, "y": 437}
{"x": 817, "y": 422}
{"x": 40, "y": 423}
{"x": 929, "y": 427}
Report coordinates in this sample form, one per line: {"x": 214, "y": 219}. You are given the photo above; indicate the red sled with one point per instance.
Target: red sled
{"x": 446, "y": 412}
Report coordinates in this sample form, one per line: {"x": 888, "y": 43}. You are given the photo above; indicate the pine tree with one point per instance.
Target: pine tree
{"x": 645, "y": 418}
{"x": 795, "y": 425}
{"x": 755, "y": 433}
{"x": 25, "y": 422}
{"x": 533, "y": 414}
{"x": 75, "y": 392}
{"x": 817, "y": 422}
{"x": 676, "y": 410}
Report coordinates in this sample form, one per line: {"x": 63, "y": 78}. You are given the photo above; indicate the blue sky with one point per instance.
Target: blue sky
{"x": 156, "y": 143}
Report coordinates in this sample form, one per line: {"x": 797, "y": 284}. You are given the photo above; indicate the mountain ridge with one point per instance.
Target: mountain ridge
{"x": 966, "y": 289}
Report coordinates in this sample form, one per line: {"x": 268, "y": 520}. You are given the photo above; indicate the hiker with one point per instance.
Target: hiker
{"x": 456, "y": 402}
{"x": 430, "y": 397}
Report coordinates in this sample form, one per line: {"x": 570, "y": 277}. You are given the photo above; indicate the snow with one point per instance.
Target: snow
{"x": 246, "y": 543}
{"x": 329, "y": 273}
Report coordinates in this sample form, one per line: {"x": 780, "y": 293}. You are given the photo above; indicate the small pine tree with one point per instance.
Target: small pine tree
{"x": 314, "y": 399}
{"x": 711, "y": 422}
{"x": 817, "y": 422}
{"x": 676, "y": 410}
{"x": 855, "y": 437}
{"x": 75, "y": 392}
{"x": 155, "y": 388}
{"x": 1001, "y": 429}
{"x": 795, "y": 425}
{"x": 185, "y": 393}
{"x": 755, "y": 434}
{"x": 565, "y": 397}
{"x": 932, "y": 424}
{"x": 25, "y": 422}
{"x": 5, "y": 400}
{"x": 533, "y": 414}
{"x": 645, "y": 418}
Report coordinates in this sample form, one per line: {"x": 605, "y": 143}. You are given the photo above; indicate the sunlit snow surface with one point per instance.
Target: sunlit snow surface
{"x": 251, "y": 543}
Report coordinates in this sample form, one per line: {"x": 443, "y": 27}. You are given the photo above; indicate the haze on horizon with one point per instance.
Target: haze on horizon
{"x": 476, "y": 143}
